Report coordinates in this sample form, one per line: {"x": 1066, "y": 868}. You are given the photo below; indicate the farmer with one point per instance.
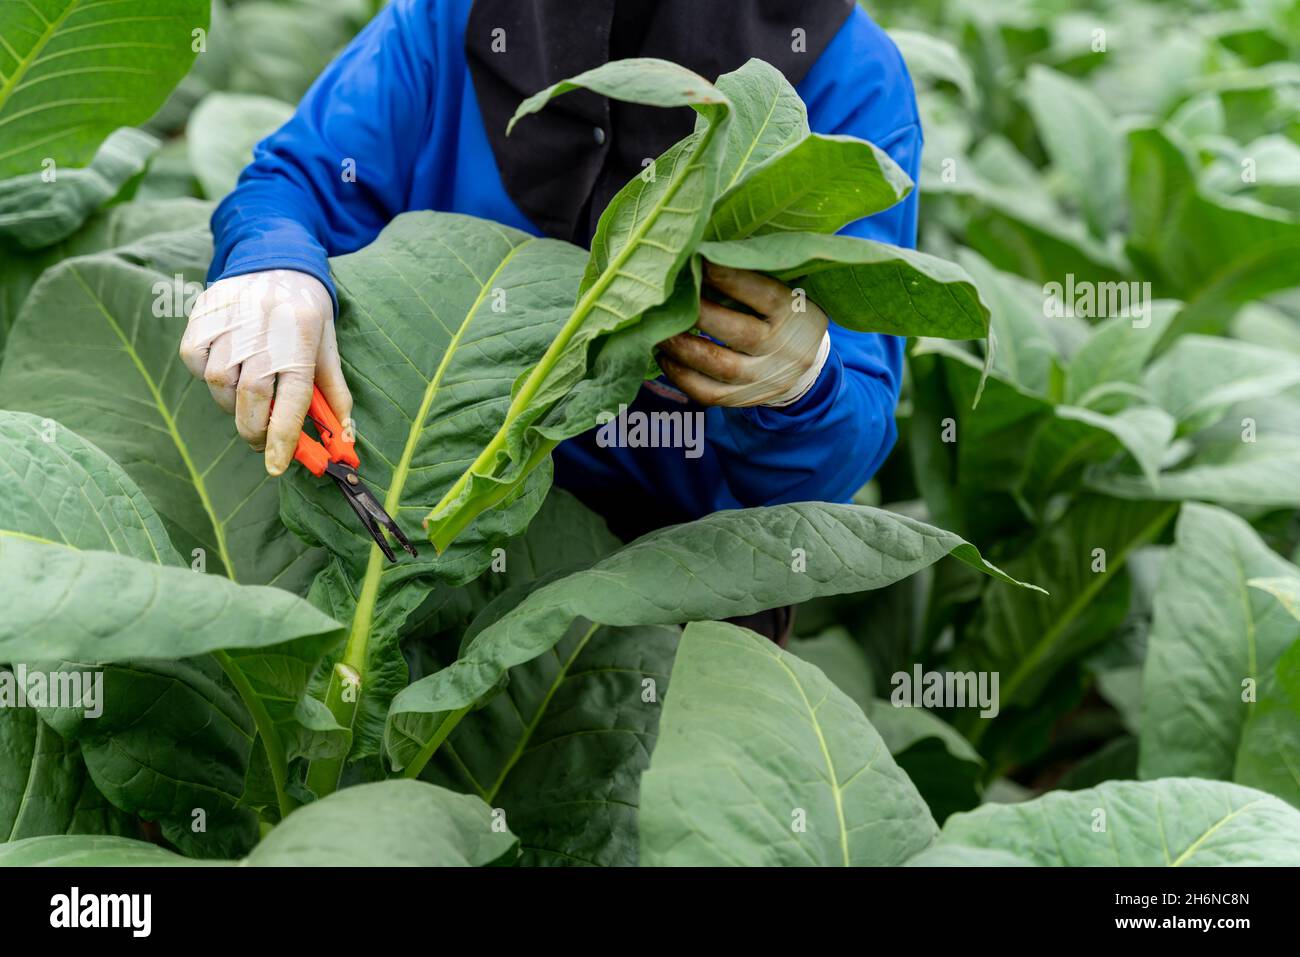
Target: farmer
{"x": 412, "y": 115}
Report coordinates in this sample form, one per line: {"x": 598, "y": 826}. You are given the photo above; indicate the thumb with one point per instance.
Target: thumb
{"x": 292, "y": 398}
{"x": 329, "y": 377}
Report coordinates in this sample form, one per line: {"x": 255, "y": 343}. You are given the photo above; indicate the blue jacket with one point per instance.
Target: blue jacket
{"x": 400, "y": 102}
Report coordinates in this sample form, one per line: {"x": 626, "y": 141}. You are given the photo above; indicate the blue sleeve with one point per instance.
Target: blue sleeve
{"x": 829, "y": 443}
{"x": 330, "y": 179}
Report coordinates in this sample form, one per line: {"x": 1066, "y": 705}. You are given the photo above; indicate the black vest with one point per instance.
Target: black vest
{"x": 563, "y": 165}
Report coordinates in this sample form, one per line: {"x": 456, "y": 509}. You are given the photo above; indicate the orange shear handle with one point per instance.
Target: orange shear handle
{"x": 337, "y": 446}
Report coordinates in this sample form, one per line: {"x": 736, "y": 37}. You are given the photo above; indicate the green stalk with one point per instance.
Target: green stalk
{"x": 265, "y": 730}
{"x": 485, "y": 462}
{"x": 416, "y": 765}
{"x": 448, "y": 532}
{"x": 341, "y": 698}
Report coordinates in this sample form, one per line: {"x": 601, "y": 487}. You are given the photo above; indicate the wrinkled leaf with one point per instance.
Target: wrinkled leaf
{"x": 1173, "y": 822}
{"x": 35, "y": 213}
{"x": 95, "y": 349}
{"x": 1211, "y": 635}
{"x": 726, "y": 564}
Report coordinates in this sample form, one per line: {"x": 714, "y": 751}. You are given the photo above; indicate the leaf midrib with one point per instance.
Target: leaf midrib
{"x": 200, "y": 487}
{"x": 1195, "y": 845}
{"x": 354, "y": 654}
{"x": 833, "y": 778}
{"x": 753, "y": 143}
{"x": 27, "y": 62}
{"x": 531, "y": 727}
{"x": 1082, "y": 600}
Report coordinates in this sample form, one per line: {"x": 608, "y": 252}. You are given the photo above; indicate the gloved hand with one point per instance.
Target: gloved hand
{"x": 263, "y": 336}
{"x": 771, "y": 359}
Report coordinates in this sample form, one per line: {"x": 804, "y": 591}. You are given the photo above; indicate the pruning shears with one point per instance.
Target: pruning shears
{"x": 337, "y": 458}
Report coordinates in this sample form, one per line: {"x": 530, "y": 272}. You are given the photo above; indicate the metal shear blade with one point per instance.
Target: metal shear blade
{"x": 368, "y": 509}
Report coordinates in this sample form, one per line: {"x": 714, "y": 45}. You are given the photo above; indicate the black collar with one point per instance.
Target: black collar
{"x": 563, "y": 165}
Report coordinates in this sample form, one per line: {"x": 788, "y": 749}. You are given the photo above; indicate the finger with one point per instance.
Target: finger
{"x": 695, "y": 384}
{"x": 739, "y": 331}
{"x": 761, "y": 293}
{"x": 221, "y": 374}
{"x": 702, "y": 355}
{"x": 253, "y": 400}
{"x": 329, "y": 377}
{"x": 292, "y": 398}
{"x": 208, "y": 320}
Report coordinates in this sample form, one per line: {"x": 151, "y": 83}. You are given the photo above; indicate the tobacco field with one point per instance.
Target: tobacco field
{"x": 1101, "y": 510}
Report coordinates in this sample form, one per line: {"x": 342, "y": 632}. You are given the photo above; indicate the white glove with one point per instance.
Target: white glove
{"x": 771, "y": 359}
{"x": 263, "y": 336}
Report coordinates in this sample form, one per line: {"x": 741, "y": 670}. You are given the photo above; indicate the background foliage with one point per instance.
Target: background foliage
{"x": 1142, "y": 474}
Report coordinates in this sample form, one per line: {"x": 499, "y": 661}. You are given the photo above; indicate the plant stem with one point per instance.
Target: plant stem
{"x": 416, "y": 765}
{"x": 483, "y": 464}
{"x": 446, "y": 533}
{"x": 341, "y": 698}
{"x": 266, "y": 730}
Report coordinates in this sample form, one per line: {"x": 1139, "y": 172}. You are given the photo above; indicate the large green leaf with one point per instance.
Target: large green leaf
{"x": 775, "y": 176}
{"x": 61, "y": 489}
{"x": 1112, "y": 358}
{"x": 1083, "y": 142}
{"x": 561, "y": 749}
{"x": 1200, "y": 377}
{"x": 116, "y": 226}
{"x": 385, "y": 824}
{"x": 95, "y": 348}
{"x": 1218, "y": 252}
{"x": 763, "y": 761}
{"x": 819, "y": 184}
{"x": 1214, "y": 643}
{"x": 767, "y": 117}
{"x": 172, "y": 745}
{"x": 1173, "y": 822}
{"x": 111, "y": 64}
{"x": 1227, "y": 470}
{"x": 91, "y": 850}
{"x": 278, "y": 49}
{"x": 726, "y": 564}
{"x": 864, "y": 285}
{"x": 163, "y": 762}
{"x": 35, "y": 213}
{"x": 389, "y": 823}
{"x": 97, "y": 606}
{"x": 44, "y": 787}
{"x": 1026, "y": 346}
{"x": 942, "y": 765}
{"x": 221, "y": 134}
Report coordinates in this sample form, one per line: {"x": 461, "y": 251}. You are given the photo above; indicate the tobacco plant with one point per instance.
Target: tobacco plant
{"x": 276, "y": 693}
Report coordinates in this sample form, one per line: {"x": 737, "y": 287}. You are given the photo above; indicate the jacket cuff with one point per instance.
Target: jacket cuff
{"x": 809, "y": 408}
